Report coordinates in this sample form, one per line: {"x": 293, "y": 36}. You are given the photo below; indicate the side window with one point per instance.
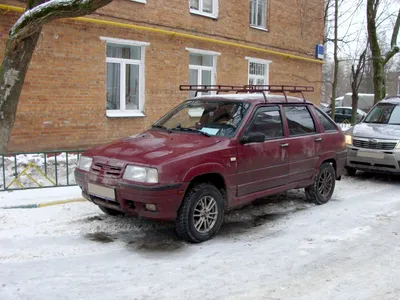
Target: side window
{"x": 326, "y": 122}
{"x": 268, "y": 121}
{"x": 299, "y": 120}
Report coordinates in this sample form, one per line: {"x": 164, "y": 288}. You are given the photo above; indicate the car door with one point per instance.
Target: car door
{"x": 263, "y": 165}
{"x": 304, "y": 142}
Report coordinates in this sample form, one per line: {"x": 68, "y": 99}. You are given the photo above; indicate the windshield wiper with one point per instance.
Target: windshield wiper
{"x": 190, "y": 130}
{"x": 161, "y": 127}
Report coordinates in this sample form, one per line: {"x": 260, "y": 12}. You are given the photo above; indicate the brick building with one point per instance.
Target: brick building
{"x": 91, "y": 82}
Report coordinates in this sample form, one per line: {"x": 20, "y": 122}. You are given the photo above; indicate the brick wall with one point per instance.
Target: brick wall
{"x": 64, "y": 97}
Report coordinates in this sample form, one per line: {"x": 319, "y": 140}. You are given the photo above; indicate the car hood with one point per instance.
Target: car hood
{"x": 152, "y": 147}
{"x": 376, "y": 131}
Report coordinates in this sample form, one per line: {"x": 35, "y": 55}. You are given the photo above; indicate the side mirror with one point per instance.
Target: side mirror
{"x": 253, "y": 137}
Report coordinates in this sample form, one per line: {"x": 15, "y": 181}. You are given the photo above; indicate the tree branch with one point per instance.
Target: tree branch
{"x": 32, "y": 20}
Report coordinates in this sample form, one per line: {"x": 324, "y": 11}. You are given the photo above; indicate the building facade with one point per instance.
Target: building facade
{"x": 115, "y": 72}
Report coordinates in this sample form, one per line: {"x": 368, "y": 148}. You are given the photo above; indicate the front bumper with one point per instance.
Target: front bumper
{"x": 131, "y": 199}
{"x": 386, "y": 161}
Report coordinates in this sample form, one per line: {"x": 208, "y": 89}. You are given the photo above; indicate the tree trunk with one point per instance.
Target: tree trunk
{"x": 12, "y": 76}
{"x": 336, "y": 61}
{"x": 354, "y": 106}
{"x": 20, "y": 47}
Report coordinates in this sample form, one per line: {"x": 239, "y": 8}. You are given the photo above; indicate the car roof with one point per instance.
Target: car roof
{"x": 256, "y": 98}
{"x": 392, "y": 100}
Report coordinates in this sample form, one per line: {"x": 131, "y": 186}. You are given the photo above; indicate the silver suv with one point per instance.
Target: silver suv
{"x": 374, "y": 144}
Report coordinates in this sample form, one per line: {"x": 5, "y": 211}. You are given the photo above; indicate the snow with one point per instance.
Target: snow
{"x": 279, "y": 248}
{"x": 38, "y": 196}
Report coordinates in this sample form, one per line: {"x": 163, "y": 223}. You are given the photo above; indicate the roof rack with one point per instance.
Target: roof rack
{"x": 249, "y": 89}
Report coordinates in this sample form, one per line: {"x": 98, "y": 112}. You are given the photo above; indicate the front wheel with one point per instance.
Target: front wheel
{"x": 201, "y": 214}
{"x": 324, "y": 184}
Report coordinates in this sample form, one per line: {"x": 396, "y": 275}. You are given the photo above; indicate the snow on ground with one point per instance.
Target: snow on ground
{"x": 277, "y": 248}
{"x": 38, "y": 196}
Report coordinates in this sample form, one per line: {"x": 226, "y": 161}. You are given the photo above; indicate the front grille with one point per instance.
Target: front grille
{"x": 374, "y": 145}
{"x": 106, "y": 170}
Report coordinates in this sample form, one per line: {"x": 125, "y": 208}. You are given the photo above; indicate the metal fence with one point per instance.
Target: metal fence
{"x": 38, "y": 169}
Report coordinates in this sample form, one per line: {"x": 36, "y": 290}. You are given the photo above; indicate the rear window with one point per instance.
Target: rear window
{"x": 326, "y": 121}
{"x": 299, "y": 120}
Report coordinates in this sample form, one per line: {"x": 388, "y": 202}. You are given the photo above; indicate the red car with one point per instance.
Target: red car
{"x": 213, "y": 153}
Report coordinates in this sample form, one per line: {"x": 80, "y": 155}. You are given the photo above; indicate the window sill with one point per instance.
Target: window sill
{"x": 124, "y": 114}
{"x": 140, "y": 1}
{"x": 199, "y": 13}
{"x": 259, "y": 28}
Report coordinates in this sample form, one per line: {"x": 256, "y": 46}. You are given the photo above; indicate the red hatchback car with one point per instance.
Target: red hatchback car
{"x": 213, "y": 153}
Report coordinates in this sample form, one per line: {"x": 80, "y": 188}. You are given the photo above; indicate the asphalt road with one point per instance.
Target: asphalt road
{"x": 279, "y": 248}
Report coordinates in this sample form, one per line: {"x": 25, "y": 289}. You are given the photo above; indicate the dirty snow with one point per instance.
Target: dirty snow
{"x": 278, "y": 248}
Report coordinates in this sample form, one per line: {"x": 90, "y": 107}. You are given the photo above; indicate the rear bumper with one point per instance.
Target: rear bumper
{"x": 132, "y": 199}
{"x": 379, "y": 161}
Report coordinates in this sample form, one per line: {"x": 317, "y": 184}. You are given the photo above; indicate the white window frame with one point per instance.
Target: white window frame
{"x": 200, "y": 12}
{"x": 262, "y": 27}
{"x": 123, "y": 112}
{"x": 258, "y": 61}
{"x": 140, "y": 1}
{"x": 213, "y": 69}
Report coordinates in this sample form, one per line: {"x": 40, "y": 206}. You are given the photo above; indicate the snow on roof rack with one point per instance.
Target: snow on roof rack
{"x": 249, "y": 89}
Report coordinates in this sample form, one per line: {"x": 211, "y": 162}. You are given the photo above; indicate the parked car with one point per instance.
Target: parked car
{"x": 213, "y": 153}
{"x": 344, "y": 113}
{"x": 374, "y": 144}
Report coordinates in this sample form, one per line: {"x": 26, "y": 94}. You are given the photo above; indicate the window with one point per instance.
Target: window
{"x": 258, "y": 71}
{"x": 326, "y": 122}
{"x": 268, "y": 121}
{"x": 140, "y": 1}
{"x": 384, "y": 113}
{"x": 258, "y": 14}
{"x": 221, "y": 118}
{"x": 202, "y": 68}
{"x": 208, "y": 8}
{"x": 299, "y": 120}
{"x": 125, "y": 78}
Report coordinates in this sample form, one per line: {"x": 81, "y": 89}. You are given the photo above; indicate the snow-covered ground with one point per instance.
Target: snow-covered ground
{"x": 284, "y": 249}
{"x": 38, "y": 196}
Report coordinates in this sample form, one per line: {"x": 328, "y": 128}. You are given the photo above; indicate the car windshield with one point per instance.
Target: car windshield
{"x": 384, "y": 113}
{"x": 216, "y": 118}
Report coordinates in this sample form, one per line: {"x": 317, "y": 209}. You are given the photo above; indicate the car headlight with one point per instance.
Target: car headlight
{"x": 141, "y": 174}
{"x": 398, "y": 145}
{"x": 348, "y": 139}
{"x": 85, "y": 163}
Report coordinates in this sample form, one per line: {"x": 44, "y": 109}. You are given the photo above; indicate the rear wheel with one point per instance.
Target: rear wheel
{"x": 109, "y": 211}
{"x": 201, "y": 214}
{"x": 324, "y": 184}
{"x": 350, "y": 171}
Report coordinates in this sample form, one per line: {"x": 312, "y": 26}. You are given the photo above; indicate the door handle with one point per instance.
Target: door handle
{"x": 284, "y": 145}
{"x": 318, "y": 139}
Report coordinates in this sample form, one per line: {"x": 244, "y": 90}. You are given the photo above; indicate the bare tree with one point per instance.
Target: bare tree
{"x": 378, "y": 60}
{"x": 20, "y": 45}
{"x": 357, "y": 72}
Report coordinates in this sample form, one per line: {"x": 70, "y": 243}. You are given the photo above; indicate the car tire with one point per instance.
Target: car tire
{"x": 109, "y": 211}
{"x": 201, "y": 214}
{"x": 324, "y": 185}
{"x": 350, "y": 171}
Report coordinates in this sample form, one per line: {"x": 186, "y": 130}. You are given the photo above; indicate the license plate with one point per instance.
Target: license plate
{"x": 101, "y": 191}
{"x": 377, "y": 155}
